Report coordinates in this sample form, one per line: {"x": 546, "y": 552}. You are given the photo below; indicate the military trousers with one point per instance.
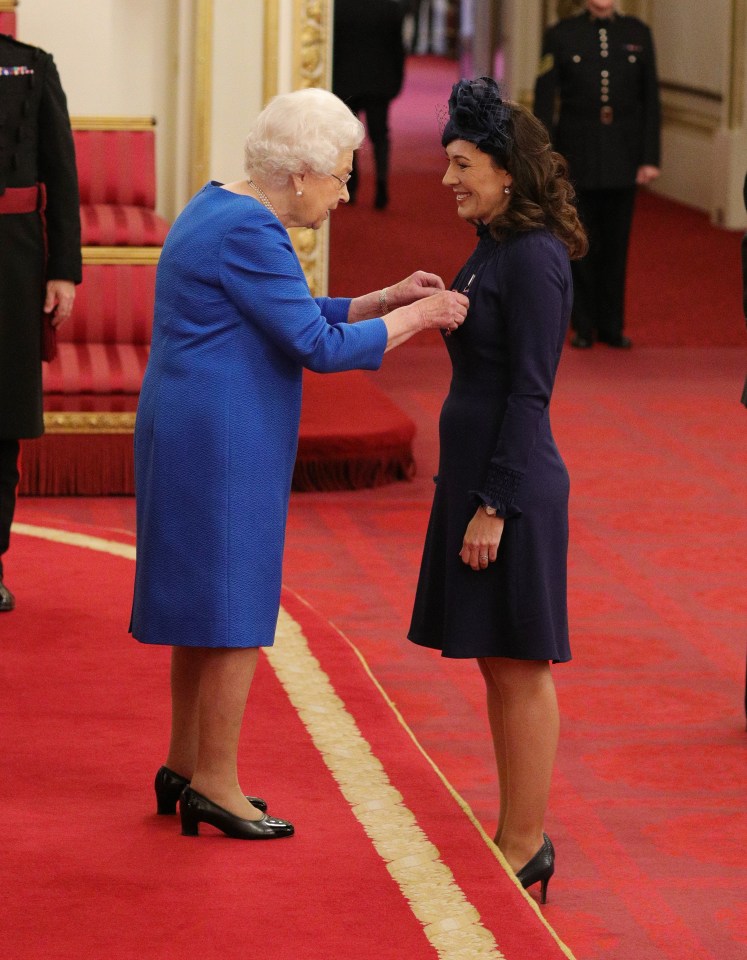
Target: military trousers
{"x": 8, "y": 483}
{"x": 599, "y": 278}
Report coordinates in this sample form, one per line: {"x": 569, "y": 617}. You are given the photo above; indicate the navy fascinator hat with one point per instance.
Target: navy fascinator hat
{"x": 478, "y": 113}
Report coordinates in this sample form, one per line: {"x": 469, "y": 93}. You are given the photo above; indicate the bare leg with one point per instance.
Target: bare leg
{"x": 530, "y": 727}
{"x": 209, "y": 691}
{"x": 495, "y": 718}
{"x": 186, "y": 665}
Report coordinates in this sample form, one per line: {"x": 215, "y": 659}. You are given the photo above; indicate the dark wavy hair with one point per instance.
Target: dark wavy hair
{"x": 541, "y": 195}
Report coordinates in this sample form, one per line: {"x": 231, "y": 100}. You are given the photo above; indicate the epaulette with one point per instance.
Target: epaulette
{"x": 546, "y": 64}
{"x": 19, "y": 43}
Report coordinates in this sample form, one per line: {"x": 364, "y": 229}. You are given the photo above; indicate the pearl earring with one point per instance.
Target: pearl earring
{"x": 299, "y": 193}
{"x": 507, "y": 189}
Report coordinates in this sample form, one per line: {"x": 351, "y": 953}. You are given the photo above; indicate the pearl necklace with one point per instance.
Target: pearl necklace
{"x": 263, "y": 198}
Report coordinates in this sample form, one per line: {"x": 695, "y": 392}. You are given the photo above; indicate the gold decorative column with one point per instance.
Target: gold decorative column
{"x": 312, "y": 67}
{"x": 271, "y": 66}
{"x": 202, "y": 94}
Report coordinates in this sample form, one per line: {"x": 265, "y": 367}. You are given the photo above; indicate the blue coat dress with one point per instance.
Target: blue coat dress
{"x": 217, "y": 422}
{"x": 496, "y": 446}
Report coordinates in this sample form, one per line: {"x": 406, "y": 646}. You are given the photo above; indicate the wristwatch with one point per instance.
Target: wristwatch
{"x": 491, "y": 511}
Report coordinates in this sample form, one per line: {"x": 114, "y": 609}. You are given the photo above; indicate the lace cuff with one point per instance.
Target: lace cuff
{"x": 499, "y": 491}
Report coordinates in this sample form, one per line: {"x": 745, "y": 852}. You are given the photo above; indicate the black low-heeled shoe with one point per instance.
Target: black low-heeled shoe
{"x": 169, "y": 786}
{"x": 539, "y": 869}
{"x": 195, "y": 809}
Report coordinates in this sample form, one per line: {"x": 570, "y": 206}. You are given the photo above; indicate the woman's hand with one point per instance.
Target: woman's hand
{"x": 444, "y": 310}
{"x": 481, "y": 541}
{"x": 418, "y": 285}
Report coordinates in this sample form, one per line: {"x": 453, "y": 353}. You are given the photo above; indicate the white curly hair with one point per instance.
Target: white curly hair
{"x": 304, "y": 130}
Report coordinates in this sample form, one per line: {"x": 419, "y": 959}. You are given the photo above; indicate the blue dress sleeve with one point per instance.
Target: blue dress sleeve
{"x": 261, "y": 274}
{"x": 535, "y": 305}
{"x": 334, "y": 309}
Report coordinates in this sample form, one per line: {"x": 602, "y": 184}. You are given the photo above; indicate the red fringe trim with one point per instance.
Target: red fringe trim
{"x": 352, "y": 473}
{"x": 78, "y": 465}
{"x": 91, "y": 465}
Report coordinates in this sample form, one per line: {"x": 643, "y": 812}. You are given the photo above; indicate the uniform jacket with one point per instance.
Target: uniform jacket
{"x": 369, "y": 55}
{"x": 36, "y": 145}
{"x": 603, "y": 73}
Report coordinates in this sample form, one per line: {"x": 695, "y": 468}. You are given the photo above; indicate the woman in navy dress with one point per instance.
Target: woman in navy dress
{"x": 493, "y": 577}
{"x": 217, "y": 430}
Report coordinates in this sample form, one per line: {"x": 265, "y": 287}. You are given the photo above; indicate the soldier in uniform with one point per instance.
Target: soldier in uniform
{"x": 601, "y": 67}
{"x": 367, "y": 73}
{"x": 40, "y": 257}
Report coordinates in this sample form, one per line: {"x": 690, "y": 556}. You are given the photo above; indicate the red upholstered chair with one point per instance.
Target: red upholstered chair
{"x": 103, "y": 349}
{"x": 116, "y": 161}
{"x": 92, "y": 386}
{"x": 8, "y": 18}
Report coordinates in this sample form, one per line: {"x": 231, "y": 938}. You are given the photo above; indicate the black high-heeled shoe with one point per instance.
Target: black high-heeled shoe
{"x": 169, "y": 785}
{"x": 539, "y": 869}
{"x": 195, "y": 809}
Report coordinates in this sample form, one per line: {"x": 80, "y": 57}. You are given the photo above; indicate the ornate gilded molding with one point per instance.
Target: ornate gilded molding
{"x": 113, "y": 123}
{"x": 202, "y": 93}
{"x": 271, "y": 45}
{"x": 311, "y": 43}
{"x": 134, "y": 256}
{"x": 95, "y": 422}
{"x": 312, "y": 63}
{"x": 6, "y": 6}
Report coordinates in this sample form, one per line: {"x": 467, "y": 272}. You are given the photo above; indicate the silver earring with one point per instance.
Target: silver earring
{"x": 507, "y": 189}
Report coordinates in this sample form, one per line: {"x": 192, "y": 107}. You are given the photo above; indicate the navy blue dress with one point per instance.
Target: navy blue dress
{"x": 497, "y": 447}
{"x": 217, "y": 421}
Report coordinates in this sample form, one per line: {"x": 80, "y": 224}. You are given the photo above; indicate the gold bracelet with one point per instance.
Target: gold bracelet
{"x": 383, "y": 305}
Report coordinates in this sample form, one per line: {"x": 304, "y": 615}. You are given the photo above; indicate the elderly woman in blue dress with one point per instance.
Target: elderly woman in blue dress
{"x": 217, "y": 430}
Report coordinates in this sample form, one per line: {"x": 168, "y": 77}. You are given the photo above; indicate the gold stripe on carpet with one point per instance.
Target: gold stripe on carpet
{"x": 450, "y": 922}
{"x": 458, "y": 798}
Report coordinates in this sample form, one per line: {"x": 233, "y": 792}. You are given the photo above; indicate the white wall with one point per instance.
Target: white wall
{"x": 701, "y": 167}
{"x": 692, "y": 38}
{"x": 237, "y": 81}
{"x": 134, "y": 58}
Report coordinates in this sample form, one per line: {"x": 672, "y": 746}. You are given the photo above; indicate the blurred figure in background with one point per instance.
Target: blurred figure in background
{"x": 40, "y": 259}
{"x": 367, "y": 74}
{"x": 602, "y": 66}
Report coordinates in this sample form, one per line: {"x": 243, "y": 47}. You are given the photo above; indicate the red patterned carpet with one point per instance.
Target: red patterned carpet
{"x": 647, "y": 812}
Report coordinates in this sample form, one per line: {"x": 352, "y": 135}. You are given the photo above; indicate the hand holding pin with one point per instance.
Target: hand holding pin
{"x": 447, "y": 333}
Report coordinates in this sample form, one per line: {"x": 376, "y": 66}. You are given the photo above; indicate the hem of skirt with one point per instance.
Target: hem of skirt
{"x": 203, "y": 646}
{"x": 448, "y": 655}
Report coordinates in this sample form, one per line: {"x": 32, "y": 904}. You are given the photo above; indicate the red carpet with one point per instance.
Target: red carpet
{"x": 91, "y": 871}
{"x": 647, "y": 812}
